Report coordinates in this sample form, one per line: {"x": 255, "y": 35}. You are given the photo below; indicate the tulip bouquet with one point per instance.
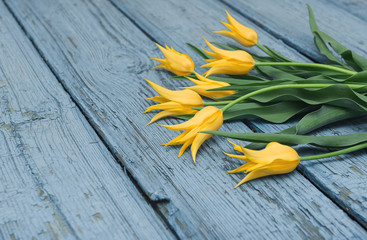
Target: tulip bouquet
{"x": 271, "y": 87}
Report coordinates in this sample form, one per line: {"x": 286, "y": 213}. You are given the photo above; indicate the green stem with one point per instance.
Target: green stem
{"x": 343, "y": 151}
{"x": 216, "y": 103}
{"x": 263, "y": 90}
{"x": 297, "y": 64}
{"x": 264, "y": 50}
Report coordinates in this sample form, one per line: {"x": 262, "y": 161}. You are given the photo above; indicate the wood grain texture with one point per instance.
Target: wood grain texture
{"x": 343, "y": 181}
{"x": 288, "y": 21}
{"x": 101, "y": 58}
{"x": 57, "y": 179}
{"x": 355, "y": 7}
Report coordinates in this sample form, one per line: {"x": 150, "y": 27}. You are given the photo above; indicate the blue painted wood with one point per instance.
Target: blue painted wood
{"x": 57, "y": 179}
{"x": 101, "y": 58}
{"x": 356, "y": 7}
{"x": 343, "y": 181}
{"x": 288, "y": 20}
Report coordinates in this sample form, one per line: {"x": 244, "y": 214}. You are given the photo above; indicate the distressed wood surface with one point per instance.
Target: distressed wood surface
{"x": 101, "y": 57}
{"x": 356, "y": 7}
{"x": 57, "y": 179}
{"x": 332, "y": 19}
{"x": 343, "y": 180}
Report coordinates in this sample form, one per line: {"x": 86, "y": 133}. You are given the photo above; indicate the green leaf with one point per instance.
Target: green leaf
{"x": 225, "y": 47}
{"x": 274, "y": 113}
{"x": 337, "y": 95}
{"x": 291, "y": 139}
{"x": 319, "y": 42}
{"x": 279, "y": 56}
{"x": 354, "y": 60}
{"x": 323, "y": 40}
{"x": 250, "y": 79}
{"x": 182, "y": 77}
{"x": 276, "y": 73}
{"x": 198, "y": 51}
{"x": 314, "y": 120}
{"x": 255, "y": 56}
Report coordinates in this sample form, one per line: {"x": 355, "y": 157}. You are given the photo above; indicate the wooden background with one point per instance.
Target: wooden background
{"x": 77, "y": 162}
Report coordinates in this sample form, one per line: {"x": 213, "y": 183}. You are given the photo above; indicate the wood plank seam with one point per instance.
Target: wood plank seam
{"x": 253, "y": 127}
{"x": 268, "y": 30}
{"x": 82, "y": 101}
{"x": 159, "y": 201}
{"x": 301, "y": 169}
{"x": 154, "y": 199}
{"x": 41, "y": 190}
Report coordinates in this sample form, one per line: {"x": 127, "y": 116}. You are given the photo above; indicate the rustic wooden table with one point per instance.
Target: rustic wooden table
{"x": 76, "y": 161}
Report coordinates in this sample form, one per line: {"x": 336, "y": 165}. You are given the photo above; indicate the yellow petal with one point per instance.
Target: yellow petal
{"x": 236, "y": 147}
{"x": 177, "y": 140}
{"x": 199, "y": 118}
{"x": 158, "y": 99}
{"x": 186, "y": 97}
{"x": 247, "y": 34}
{"x": 178, "y": 63}
{"x": 184, "y": 147}
{"x": 272, "y": 152}
{"x": 241, "y": 157}
{"x": 165, "y": 114}
{"x": 199, "y": 139}
{"x": 229, "y": 26}
{"x": 243, "y": 168}
{"x": 164, "y": 106}
{"x": 225, "y": 33}
{"x": 215, "y": 124}
{"x": 251, "y": 176}
{"x": 218, "y": 51}
{"x": 164, "y": 61}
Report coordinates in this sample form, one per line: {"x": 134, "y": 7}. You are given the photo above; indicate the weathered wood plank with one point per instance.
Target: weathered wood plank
{"x": 355, "y": 7}
{"x": 343, "y": 181}
{"x": 336, "y": 178}
{"x": 57, "y": 179}
{"x": 97, "y": 53}
{"x": 288, "y": 20}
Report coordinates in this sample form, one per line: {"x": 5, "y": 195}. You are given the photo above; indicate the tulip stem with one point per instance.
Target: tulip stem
{"x": 316, "y": 65}
{"x": 268, "y": 89}
{"x": 331, "y": 154}
{"x": 264, "y": 50}
{"x": 216, "y": 103}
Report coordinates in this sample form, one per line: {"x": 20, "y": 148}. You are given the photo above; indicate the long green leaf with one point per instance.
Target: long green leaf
{"x": 274, "y": 113}
{"x": 279, "y": 56}
{"x": 198, "y": 51}
{"x": 291, "y": 139}
{"x": 314, "y": 120}
{"x": 323, "y": 40}
{"x": 337, "y": 95}
{"x": 319, "y": 42}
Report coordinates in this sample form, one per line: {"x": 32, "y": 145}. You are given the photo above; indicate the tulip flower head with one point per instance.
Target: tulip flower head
{"x": 173, "y": 102}
{"x": 207, "y": 119}
{"x": 244, "y": 35}
{"x": 274, "y": 159}
{"x": 204, "y": 84}
{"x": 228, "y": 62}
{"x": 178, "y": 63}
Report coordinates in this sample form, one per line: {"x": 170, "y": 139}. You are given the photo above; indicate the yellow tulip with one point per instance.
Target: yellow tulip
{"x": 244, "y": 35}
{"x": 204, "y": 84}
{"x": 173, "y": 102}
{"x": 275, "y": 159}
{"x": 178, "y": 63}
{"x": 228, "y": 62}
{"x": 207, "y": 119}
